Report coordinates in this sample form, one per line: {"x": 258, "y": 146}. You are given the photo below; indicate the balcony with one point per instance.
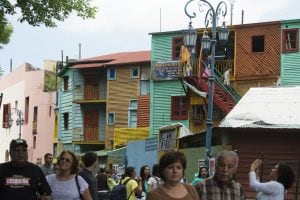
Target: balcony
{"x": 88, "y": 94}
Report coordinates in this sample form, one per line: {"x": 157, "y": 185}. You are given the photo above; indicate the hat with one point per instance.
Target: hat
{"x": 18, "y": 142}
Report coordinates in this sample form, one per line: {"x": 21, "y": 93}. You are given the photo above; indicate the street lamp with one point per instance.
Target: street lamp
{"x": 19, "y": 121}
{"x": 212, "y": 16}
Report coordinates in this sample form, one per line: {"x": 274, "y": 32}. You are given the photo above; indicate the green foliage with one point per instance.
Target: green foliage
{"x": 42, "y": 12}
{"x": 5, "y": 30}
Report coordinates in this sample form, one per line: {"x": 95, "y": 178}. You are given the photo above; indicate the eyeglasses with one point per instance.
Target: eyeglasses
{"x": 20, "y": 150}
{"x": 66, "y": 159}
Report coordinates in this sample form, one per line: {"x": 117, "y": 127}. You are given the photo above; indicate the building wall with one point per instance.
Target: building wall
{"x": 137, "y": 156}
{"x": 252, "y": 65}
{"x": 272, "y": 146}
{"x": 290, "y": 62}
{"x": 119, "y": 93}
{"x": 161, "y": 91}
{"x": 66, "y": 106}
{"x": 28, "y": 81}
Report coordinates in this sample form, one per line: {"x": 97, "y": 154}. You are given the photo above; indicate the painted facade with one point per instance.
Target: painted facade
{"x": 23, "y": 89}
{"x": 164, "y": 87}
{"x": 290, "y": 55}
{"x": 100, "y": 95}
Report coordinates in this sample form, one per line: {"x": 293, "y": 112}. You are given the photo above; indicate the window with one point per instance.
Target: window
{"x": 290, "y": 40}
{"x": 66, "y": 83}
{"x": 177, "y": 42}
{"x": 198, "y": 113}
{"x": 6, "y": 116}
{"x": 66, "y": 121}
{"x": 258, "y": 43}
{"x": 179, "y": 108}
{"x": 34, "y": 142}
{"x": 26, "y": 110}
{"x": 132, "y": 114}
{"x": 167, "y": 139}
{"x": 111, "y": 73}
{"x": 111, "y": 118}
{"x": 134, "y": 72}
{"x": 145, "y": 87}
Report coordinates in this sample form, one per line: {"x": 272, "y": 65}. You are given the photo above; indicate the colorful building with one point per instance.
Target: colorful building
{"x": 27, "y": 89}
{"x": 104, "y": 101}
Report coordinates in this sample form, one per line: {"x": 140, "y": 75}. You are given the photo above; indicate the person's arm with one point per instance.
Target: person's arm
{"x": 87, "y": 195}
{"x": 271, "y": 187}
{"x": 139, "y": 188}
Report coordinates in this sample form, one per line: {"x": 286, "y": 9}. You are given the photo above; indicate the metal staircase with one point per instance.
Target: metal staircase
{"x": 224, "y": 97}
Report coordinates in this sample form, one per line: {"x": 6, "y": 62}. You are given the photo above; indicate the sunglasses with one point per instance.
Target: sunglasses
{"x": 66, "y": 159}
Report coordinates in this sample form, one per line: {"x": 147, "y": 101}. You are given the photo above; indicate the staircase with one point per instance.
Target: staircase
{"x": 224, "y": 97}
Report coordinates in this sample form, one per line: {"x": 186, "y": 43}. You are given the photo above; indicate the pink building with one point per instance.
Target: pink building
{"x": 24, "y": 89}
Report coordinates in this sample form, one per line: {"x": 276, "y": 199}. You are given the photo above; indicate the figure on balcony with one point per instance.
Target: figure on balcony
{"x": 226, "y": 77}
{"x": 206, "y": 67}
{"x": 185, "y": 60}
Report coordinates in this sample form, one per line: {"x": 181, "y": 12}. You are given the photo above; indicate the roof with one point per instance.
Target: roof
{"x": 269, "y": 107}
{"x": 113, "y": 59}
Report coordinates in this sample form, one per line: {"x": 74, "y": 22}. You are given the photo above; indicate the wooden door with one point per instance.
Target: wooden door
{"x": 91, "y": 125}
{"x": 91, "y": 87}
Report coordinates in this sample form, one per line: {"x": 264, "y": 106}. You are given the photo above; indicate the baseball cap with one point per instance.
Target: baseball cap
{"x": 18, "y": 142}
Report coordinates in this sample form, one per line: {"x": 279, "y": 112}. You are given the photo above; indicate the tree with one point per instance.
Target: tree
{"x": 41, "y": 12}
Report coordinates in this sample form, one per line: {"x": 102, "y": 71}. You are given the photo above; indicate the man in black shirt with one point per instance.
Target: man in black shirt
{"x": 90, "y": 164}
{"x": 20, "y": 179}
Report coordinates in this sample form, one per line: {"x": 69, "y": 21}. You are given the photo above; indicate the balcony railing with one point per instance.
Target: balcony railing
{"x": 88, "y": 94}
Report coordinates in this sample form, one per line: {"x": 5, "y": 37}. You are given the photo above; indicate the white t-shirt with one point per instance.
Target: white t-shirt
{"x": 268, "y": 190}
{"x": 154, "y": 181}
{"x": 66, "y": 190}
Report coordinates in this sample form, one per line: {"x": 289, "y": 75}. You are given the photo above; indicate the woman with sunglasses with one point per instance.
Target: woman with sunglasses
{"x": 66, "y": 184}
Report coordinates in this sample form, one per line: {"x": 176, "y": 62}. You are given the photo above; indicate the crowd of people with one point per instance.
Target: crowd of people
{"x": 66, "y": 180}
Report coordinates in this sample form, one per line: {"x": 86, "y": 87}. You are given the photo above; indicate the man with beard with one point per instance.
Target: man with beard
{"x": 222, "y": 185}
{"x": 20, "y": 179}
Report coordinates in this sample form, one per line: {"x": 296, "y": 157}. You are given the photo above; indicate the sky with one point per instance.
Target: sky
{"x": 124, "y": 25}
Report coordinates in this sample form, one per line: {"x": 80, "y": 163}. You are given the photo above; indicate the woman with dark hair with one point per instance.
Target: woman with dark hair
{"x": 154, "y": 181}
{"x": 282, "y": 177}
{"x": 202, "y": 174}
{"x": 66, "y": 184}
{"x": 144, "y": 176}
{"x": 171, "y": 170}
{"x": 132, "y": 186}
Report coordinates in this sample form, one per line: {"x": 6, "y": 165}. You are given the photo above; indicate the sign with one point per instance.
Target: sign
{"x": 166, "y": 70}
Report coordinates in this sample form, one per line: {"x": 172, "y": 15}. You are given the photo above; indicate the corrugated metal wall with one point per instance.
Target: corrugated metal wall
{"x": 290, "y": 62}
{"x": 161, "y": 104}
{"x": 275, "y": 147}
{"x": 161, "y": 91}
{"x": 66, "y": 99}
{"x": 123, "y": 135}
{"x": 143, "y": 115}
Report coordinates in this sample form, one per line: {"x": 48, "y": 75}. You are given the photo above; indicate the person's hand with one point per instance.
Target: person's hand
{"x": 255, "y": 165}
{"x": 139, "y": 179}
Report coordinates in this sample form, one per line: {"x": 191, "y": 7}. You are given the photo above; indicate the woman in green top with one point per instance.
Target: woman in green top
{"x": 202, "y": 174}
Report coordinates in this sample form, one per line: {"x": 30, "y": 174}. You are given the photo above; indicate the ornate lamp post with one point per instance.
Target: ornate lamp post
{"x": 19, "y": 121}
{"x": 207, "y": 44}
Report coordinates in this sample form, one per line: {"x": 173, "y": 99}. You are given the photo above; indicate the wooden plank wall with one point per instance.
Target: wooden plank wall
{"x": 274, "y": 146}
{"x": 143, "y": 113}
{"x": 252, "y": 65}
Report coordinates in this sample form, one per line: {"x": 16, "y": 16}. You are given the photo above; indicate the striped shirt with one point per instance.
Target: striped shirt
{"x": 210, "y": 189}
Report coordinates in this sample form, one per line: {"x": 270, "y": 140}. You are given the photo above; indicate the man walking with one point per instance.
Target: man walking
{"x": 47, "y": 167}
{"x": 222, "y": 185}
{"x": 90, "y": 164}
{"x": 20, "y": 179}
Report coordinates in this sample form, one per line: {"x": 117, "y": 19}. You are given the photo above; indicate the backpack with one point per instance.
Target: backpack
{"x": 119, "y": 191}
